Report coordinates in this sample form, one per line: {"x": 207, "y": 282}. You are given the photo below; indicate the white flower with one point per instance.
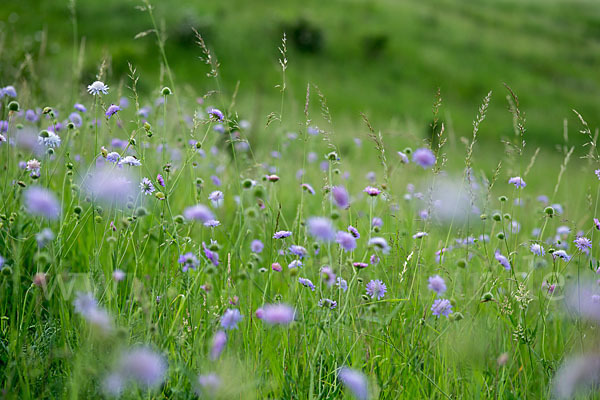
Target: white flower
{"x": 97, "y": 88}
{"x": 130, "y": 160}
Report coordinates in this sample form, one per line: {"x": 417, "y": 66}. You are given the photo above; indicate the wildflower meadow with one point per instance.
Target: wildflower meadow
{"x": 169, "y": 242}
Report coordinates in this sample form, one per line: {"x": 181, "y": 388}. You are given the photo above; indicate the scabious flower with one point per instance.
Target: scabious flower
{"x": 86, "y": 305}
{"x": 345, "y": 240}
{"x": 420, "y": 235}
{"x": 331, "y": 304}
{"x": 118, "y": 275}
{"x": 144, "y": 366}
{"x": 80, "y": 107}
{"x": 146, "y": 186}
{"x": 215, "y": 114}
{"x": 33, "y": 166}
{"x": 517, "y": 181}
{"x": 372, "y": 191}
{"x": 355, "y": 381}
{"x": 354, "y": 232}
{"x": 537, "y": 249}
{"x": 376, "y": 222}
{"x": 218, "y": 344}
{"x": 216, "y": 198}
{"x": 308, "y": 188}
{"x": 597, "y": 172}
{"x": 212, "y": 256}
{"x": 583, "y": 244}
{"x": 295, "y": 264}
{"x": 276, "y": 314}
{"x": 321, "y": 228}
{"x": 187, "y": 261}
{"x": 424, "y": 157}
{"x": 48, "y": 139}
{"x": 199, "y": 212}
{"x": 276, "y": 267}
{"x": 328, "y": 275}
{"x": 230, "y": 319}
{"x": 376, "y": 288}
{"x": 160, "y": 180}
{"x": 307, "y": 283}
{"x": 502, "y": 260}
{"x": 97, "y": 88}
{"x": 340, "y": 197}
{"x": 403, "y": 158}
{"x": 76, "y": 119}
{"x": 561, "y": 254}
{"x": 130, "y": 160}
{"x": 577, "y": 376}
{"x": 113, "y": 157}
{"x": 256, "y": 246}
{"x": 441, "y": 307}
{"x": 437, "y": 284}
{"x": 44, "y": 237}
{"x": 110, "y": 185}
{"x": 112, "y": 110}
{"x": 209, "y": 383}
{"x": 298, "y": 250}
{"x": 41, "y": 202}
{"x": 341, "y": 283}
{"x": 380, "y": 244}
{"x": 360, "y": 265}
{"x": 282, "y": 234}
{"x": 9, "y": 91}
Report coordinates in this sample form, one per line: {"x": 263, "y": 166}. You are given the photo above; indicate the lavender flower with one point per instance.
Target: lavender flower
{"x": 340, "y": 197}
{"x": 97, "y": 88}
{"x": 306, "y": 283}
{"x": 376, "y": 288}
{"x": 437, "y": 284}
{"x": 230, "y": 319}
{"x": 360, "y": 265}
{"x": 42, "y": 202}
{"x": 295, "y": 264}
{"x": 80, "y": 107}
{"x": 354, "y": 232}
{"x": 376, "y": 222}
{"x": 372, "y": 191}
{"x": 331, "y": 304}
{"x": 276, "y": 314}
{"x": 345, "y": 240}
{"x": 146, "y": 186}
{"x": 441, "y": 307}
{"x": 380, "y": 244}
{"x": 298, "y": 250}
{"x": 424, "y": 157}
{"x": 215, "y": 114}
{"x": 216, "y": 198}
{"x": 113, "y": 157}
{"x": 355, "y": 381}
{"x": 321, "y": 228}
{"x": 342, "y": 284}
{"x": 112, "y": 110}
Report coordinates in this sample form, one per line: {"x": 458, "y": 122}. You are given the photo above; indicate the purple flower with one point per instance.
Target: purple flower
{"x": 372, "y": 191}
{"x": 537, "y": 249}
{"x": 9, "y": 91}
{"x": 345, "y": 240}
{"x": 561, "y": 254}
{"x": 340, "y": 197}
{"x": 583, "y": 244}
{"x": 376, "y": 288}
{"x": 144, "y": 366}
{"x": 376, "y": 222}
{"x": 218, "y": 344}
{"x": 146, "y": 186}
{"x": 502, "y": 260}
{"x": 216, "y": 114}
{"x": 424, "y": 157}
{"x": 256, "y": 246}
{"x": 328, "y": 275}
{"x": 321, "y": 228}
{"x": 199, "y": 212}
{"x": 380, "y": 244}
{"x": 437, "y": 284}
{"x": 161, "y": 180}
{"x": 112, "y": 110}
{"x": 331, "y": 304}
{"x": 230, "y": 319}
{"x": 295, "y": 264}
{"x": 308, "y": 188}
{"x": 597, "y": 223}
{"x": 80, "y": 107}
{"x": 420, "y": 235}
{"x": 130, "y": 160}
{"x": 211, "y": 255}
{"x": 517, "y": 181}
{"x": 597, "y": 172}
{"x": 276, "y": 267}
{"x": 342, "y": 283}
{"x": 355, "y": 381}
{"x": 403, "y": 158}
{"x": 282, "y": 234}
{"x": 360, "y": 265}
{"x": 354, "y": 232}
{"x": 188, "y": 260}
{"x": 42, "y": 202}
{"x": 76, "y": 119}
{"x": 441, "y": 307}
{"x": 209, "y": 383}
{"x": 97, "y": 88}
{"x": 307, "y": 283}
{"x": 276, "y": 314}
{"x": 298, "y": 250}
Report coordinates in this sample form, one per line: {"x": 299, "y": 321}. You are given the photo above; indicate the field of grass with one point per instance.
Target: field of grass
{"x": 175, "y": 235}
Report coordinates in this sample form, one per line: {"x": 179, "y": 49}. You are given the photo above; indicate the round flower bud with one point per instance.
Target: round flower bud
{"x": 13, "y": 106}
{"x": 166, "y": 91}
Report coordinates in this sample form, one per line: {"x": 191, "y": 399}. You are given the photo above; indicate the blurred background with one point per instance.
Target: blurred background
{"x": 382, "y": 57}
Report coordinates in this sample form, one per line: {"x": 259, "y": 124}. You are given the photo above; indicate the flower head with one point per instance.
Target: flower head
{"x": 340, "y": 197}
{"x": 355, "y": 381}
{"x": 517, "y": 181}
{"x": 502, "y": 260}
{"x": 112, "y": 110}
{"x": 321, "y": 228}
{"x": 276, "y": 314}
{"x": 187, "y": 261}
{"x": 199, "y": 212}
{"x": 372, "y": 191}
{"x": 376, "y": 288}
{"x": 441, "y": 307}
{"x": 307, "y": 283}
{"x": 41, "y": 202}
{"x": 345, "y": 240}
{"x": 282, "y": 234}
{"x": 230, "y": 319}
{"x": 583, "y": 244}
{"x": 424, "y": 157}
{"x": 97, "y": 88}
{"x": 537, "y": 249}
{"x": 146, "y": 186}
{"x": 437, "y": 284}
{"x": 218, "y": 344}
